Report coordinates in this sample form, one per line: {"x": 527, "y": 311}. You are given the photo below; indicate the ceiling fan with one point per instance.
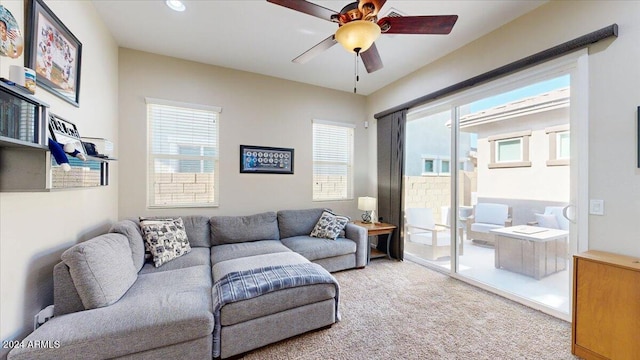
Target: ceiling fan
{"x": 359, "y": 27}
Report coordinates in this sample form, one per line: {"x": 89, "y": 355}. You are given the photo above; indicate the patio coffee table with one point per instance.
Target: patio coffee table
{"x": 531, "y": 250}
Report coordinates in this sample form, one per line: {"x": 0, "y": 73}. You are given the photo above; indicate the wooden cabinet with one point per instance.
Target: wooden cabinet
{"x": 606, "y": 306}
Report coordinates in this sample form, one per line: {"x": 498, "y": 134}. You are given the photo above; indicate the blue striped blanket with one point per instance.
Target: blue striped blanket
{"x": 242, "y": 285}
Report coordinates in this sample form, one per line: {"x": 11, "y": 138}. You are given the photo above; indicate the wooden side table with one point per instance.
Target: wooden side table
{"x": 375, "y": 230}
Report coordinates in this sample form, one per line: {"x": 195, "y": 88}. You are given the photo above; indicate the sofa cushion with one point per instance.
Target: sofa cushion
{"x": 160, "y": 309}
{"x": 297, "y": 222}
{"x": 196, "y": 257}
{"x": 329, "y": 226}
{"x": 233, "y": 251}
{"x": 197, "y": 229}
{"x": 548, "y": 221}
{"x": 478, "y": 227}
{"x": 490, "y": 213}
{"x": 102, "y": 269}
{"x": 165, "y": 239}
{"x": 315, "y": 248}
{"x": 237, "y": 229}
{"x": 131, "y": 230}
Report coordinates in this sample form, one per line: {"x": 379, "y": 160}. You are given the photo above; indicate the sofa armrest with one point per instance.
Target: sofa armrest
{"x": 508, "y": 222}
{"x": 359, "y": 235}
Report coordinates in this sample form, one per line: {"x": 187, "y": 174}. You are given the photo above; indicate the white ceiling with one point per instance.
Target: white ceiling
{"x": 263, "y": 38}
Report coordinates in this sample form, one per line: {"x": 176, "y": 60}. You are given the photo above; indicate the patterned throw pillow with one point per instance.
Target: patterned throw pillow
{"x": 329, "y": 226}
{"x": 165, "y": 239}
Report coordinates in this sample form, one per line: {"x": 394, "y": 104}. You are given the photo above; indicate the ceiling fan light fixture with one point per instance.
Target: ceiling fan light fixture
{"x": 175, "y": 5}
{"x": 357, "y": 34}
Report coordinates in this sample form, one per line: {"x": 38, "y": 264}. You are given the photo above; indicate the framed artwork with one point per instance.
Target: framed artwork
{"x": 265, "y": 160}
{"x": 53, "y": 52}
{"x": 64, "y": 132}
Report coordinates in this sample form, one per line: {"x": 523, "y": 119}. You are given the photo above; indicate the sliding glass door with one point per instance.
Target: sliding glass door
{"x": 491, "y": 183}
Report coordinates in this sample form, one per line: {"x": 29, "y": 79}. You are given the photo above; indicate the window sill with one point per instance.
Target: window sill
{"x": 514, "y": 164}
{"x": 558, "y": 162}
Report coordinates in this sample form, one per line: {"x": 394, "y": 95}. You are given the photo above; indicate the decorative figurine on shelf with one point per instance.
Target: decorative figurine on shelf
{"x": 60, "y": 151}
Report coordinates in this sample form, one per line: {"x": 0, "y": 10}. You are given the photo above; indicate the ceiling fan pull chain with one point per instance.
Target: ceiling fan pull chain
{"x": 357, "y": 76}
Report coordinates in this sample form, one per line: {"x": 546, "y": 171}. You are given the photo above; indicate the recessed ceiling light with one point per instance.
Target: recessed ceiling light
{"x": 176, "y": 5}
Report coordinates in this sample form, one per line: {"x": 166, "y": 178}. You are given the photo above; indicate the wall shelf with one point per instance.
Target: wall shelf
{"x": 26, "y": 163}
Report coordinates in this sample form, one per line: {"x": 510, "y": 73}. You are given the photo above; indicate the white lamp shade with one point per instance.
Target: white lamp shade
{"x": 357, "y": 34}
{"x": 367, "y": 203}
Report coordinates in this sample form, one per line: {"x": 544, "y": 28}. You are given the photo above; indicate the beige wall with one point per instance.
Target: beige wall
{"x": 613, "y": 99}
{"x": 35, "y": 228}
{"x": 256, "y": 110}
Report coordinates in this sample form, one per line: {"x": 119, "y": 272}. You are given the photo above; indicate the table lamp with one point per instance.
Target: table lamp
{"x": 368, "y": 205}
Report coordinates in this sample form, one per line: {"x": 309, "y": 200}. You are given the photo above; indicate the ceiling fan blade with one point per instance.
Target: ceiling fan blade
{"x": 378, "y": 4}
{"x": 371, "y": 59}
{"x": 441, "y": 24}
{"x": 316, "y": 50}
{"x": 307, "y": 8}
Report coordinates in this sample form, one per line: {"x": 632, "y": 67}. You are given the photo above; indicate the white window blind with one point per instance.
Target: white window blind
{"x": 182, "y": 154}
{"x": 332, "y": 161}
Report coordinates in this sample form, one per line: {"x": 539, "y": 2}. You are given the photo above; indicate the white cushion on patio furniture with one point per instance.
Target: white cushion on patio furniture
{"x": 491, "y": 213}
{"x": 563, "y": 223}
{"x": 444, "y": 238}
{"x": 484, "y": 227}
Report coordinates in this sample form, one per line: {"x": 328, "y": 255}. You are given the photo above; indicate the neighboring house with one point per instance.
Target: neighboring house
{"x": 523, "y": 148}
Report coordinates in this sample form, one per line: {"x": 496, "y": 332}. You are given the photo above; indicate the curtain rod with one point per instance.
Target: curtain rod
{"x": 542, "y": 56}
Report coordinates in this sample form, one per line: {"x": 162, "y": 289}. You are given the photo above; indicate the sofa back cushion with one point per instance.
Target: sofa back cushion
{"x": 237, "y": 229}
{"x": 297, "y": 222}
{"x": 102, "y": 269}
{"x": 490, "y": 213}
{"x": 131, "y": 230}
{"x": 197, "y": 228}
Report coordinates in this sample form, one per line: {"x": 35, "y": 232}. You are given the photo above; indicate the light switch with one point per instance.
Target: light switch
{"x": 596, "y": 207}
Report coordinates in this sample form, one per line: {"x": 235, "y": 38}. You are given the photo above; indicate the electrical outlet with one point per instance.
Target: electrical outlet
{"x": 596, "y": 207}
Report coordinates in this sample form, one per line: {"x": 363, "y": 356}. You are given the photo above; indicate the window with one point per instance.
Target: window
{"x": 509, "y": 150}
{"x": 559, "y": 145}
{"x": 332, "y": 160}
{"x": 182, "y": 154}
{"x": 433, "y": 165}
{"x": 428, "y": 166}
{"x": 444, "y": 167}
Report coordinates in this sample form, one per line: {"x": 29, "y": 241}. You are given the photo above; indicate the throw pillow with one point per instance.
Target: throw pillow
{"x": 165, "y": 239}
{"x": 547, "y": 221}
{"x": 329, "y": 226}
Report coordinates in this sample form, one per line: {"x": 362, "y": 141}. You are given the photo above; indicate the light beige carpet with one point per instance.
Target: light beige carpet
{"x": 400, "y": 310}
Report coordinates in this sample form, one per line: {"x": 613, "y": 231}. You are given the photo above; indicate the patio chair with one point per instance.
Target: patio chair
{"x": 485, "y": 217}
{"x": 426, "y": 238}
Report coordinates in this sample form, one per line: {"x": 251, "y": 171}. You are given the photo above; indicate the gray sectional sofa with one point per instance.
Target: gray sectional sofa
{"x": 111, "y": 303}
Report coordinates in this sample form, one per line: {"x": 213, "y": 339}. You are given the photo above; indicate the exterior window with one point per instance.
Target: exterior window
{"x": 559, "y": 145}
{"x": 332, "y": 160}
{"x": 444, "y": 167}
{"x": 428, "y": 166}
{"x": 563, "y": 146}
{"x": 509, "y": 150}
{"x": 182, "y": 154}
{"x": 435, "y": 166}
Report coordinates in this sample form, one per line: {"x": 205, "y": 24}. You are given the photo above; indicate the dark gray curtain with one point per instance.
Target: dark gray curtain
{"x": 391, "y": 139}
